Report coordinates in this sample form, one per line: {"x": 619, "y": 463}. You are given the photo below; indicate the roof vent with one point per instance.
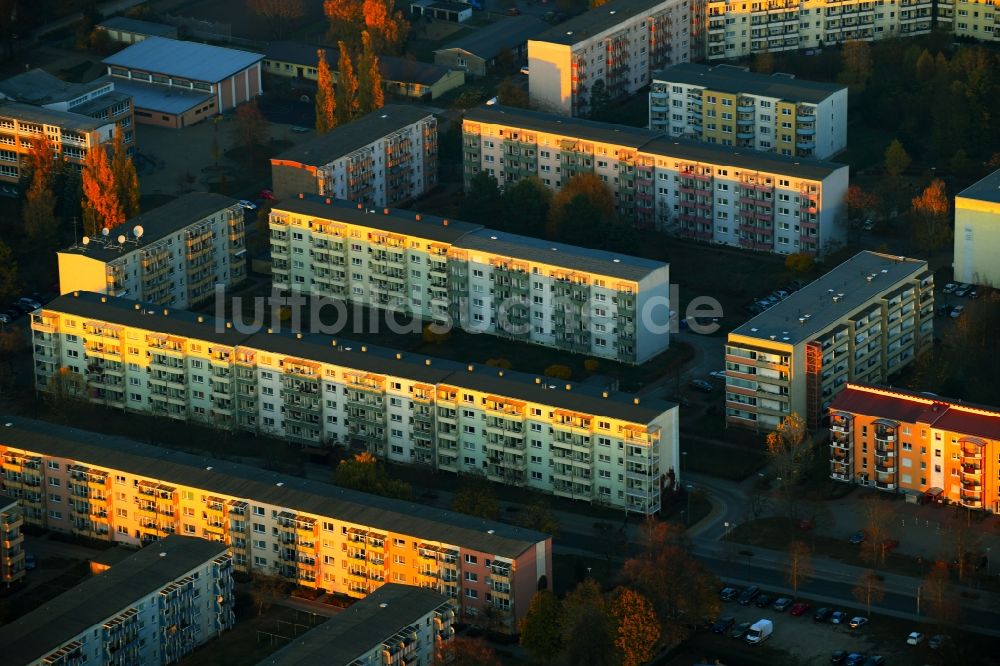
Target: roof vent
{"x": 104, "y": 299}
{"x": 418, "y": 217}
{"x": 302, "y": 195}
{"x": 870, "y": 278}
{"x": 138, "y": 306}
{"x": 165, "y": 312}
{"x": 500, "y": 373}
{"x": 364, "y": 348}
{"x": 569, "y": 387}
{"x": 270, "y": 330}
{"x": 444, "y": 223}
{"x": 333, "y": 343}
{"x": 773, "y": 337}
{"x": 802, "y": 320}
{"x": 493, "y": 237}
{"x": 201, "y": 319}
{"x": 385, "y": 211}
{"x": 229, "y": 324}
{"x": 538, "y": 380}
{"x": 298, "y": 336}
{"x": 753, "y": 330}
{"x": 604, "y": 394}
{"x": 427, "y": 361}
{"x": 399, "y": 357}
{"x": 163, "y": 554}
{"x": 569, "y": 32}
{"x": 471, "y": 367}
{"x": 635, "y": 401}
{"x": 361, "y": 207}
{"x": 328, "y": 201}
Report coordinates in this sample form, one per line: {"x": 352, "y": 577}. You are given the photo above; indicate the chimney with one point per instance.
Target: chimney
{"x": 569, "y": 387}
{"x": 360, "y": 207}
{"x": 538, "y": 380}
{"x": 385, "y": 211}
{"x": 471, "y": 367}
{"x": 328, "y": 201}
{"x": 399, "y": 357}
{"x": 104, "y": 299}
{"x": 604, "y": 394}
{"x": 138, "y": 307}
{"x": 418, "y": 217}
{"x": 635, "y": 401}
{"x": 298, "y": 336}
{"x": 427, "y": 361}
{"x": 364, "y": 348}
{"x": 201, "y": 319}
{"x": 229, "y": 324}
{"x": 165, "y": 312}
{"x": 270, "y": 330}
{"x": 302, "y": 195}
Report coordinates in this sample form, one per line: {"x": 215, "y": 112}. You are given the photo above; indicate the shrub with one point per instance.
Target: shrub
{"x": 800, "y": 262}
{"x": 429, "y": 335}
{"x": 499, "y": 363}
{"x": 558, "y": 371}
{"x": 591, "y": 364}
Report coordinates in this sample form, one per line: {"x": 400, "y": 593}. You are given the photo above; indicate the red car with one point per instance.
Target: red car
{"x": 513, "y": 11}
{"x": 798, "y": 608}
{"x": 265, "y": 194}
{"x": 889, "y": 544}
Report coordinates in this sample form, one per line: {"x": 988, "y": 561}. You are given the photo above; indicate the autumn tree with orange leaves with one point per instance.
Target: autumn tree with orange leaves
{"x": 465, "y": 651}
{"x": 371, "y": 97}
{"x": 102, "y": 207}
{"x": 386, "y": 24}
{"x": 638, "y": 627}
{"x": 126, "y": 178}
{"x": 277, "y": 12}
{"x": 930, "y": 213}
{"x": 348, "y": 106}
{"x": 326, "y": 101}
{"x": 38, "y": 210}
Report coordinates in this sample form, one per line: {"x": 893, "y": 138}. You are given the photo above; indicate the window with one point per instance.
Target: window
{"x": 472, "y": 577}
{"x": 472, "y": 594}
{"x": 471, "y": 559}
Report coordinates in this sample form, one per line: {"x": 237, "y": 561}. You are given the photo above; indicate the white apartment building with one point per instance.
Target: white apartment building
{"x": 732, "y": 106}
{"x": 978, "y": 19}
{"x": 864, "y": 321}
{"x": 747, "y": 199}
{"x": 172, "y": 255}
{"x": 385, "y": 158}
{"x": 395, "y": 622}
{"x": 737, "y": 29}
{"x": 305, "y": 532}
{"x": 459, "y": 274}
{"x": 559, "y": 437}
{"x": 619, "y": 44}
{"x": 153, "y": 607}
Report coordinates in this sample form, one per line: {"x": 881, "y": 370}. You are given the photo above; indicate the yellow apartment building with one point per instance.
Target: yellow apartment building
{"x": 865, "y": 320}
{"x": 11, "y": 542}
{"x": 917, "y": 444}
{"x": 977, "y": 232}
{"x": 312, "y": 534}
{"x": 978, "y": 19}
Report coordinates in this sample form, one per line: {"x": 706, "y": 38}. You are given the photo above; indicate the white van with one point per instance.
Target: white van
{"x": 759, "y": 632}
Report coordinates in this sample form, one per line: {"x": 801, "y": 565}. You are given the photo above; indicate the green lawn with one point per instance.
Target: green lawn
{"x": 705, "y": 457}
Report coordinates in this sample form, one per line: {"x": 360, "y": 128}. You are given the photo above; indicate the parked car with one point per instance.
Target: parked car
{"x": 875, "y": 660}
{"x": 781, "y": 293}
{"x": 718, "y": 374}
{"x": 5, "y": 318}
{"x": 740, "y": 630}
{"x": 838, "y": 657}
{"x": 29, "y": 303}
{"x": 246, "y": 205}
{"x": 748, "y": 595}
{"x": 915, "y": 638}
{"x": 854, "y": 659}
{"x": 961, "y": 291}
{"x": 700, "y": 385}
{"x": 30, "y": 562}
{"x": 936, "y": 641}
{"x": 973, "y": 294}
{"x": 838, "y": 617}
{"x": 943, "y": 310}
{"x": 763, "y": 601}
{"x": 957, "y": 311}
{"x": 513, "y": 11}
{"x": 723, "y": 624}
{"x": 525, "y": 70}
{"x": 858, "y": 537}
{"x": 858, "y": 622}
{"x": 679, "y": 399}
{"x": 759, "y": 632}
{"x": 949, "y": 288}
{"x": 300, "y": 130}
{"x": 729, "y": 593}
{"x": 799, "y": 608}
{"x": 822, "y": 614}
{"x": 265, "y": 194}
{"x": 889, "y": 545}
{"x": 781, "y": 604}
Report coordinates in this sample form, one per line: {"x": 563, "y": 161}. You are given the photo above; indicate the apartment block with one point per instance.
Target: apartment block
{"x": 616, "y": 46}
{"x": 172, "y": 255}
{"x": 977, "y": 239}
{"x": 70, "y": 135}
{"x": 916, "y": 444}
{"x": 153, "y": 607}
{"x": 395, "y": 624}
{"x": 460, "y": 274}
{"x": 751, "y": 200}
{"x": 732, "y": 106}
{"x": 865, "y": 320}
{"x": 313, "y": 534}
{"x": 978, "y": 19}
{"x": 568, "y": 439}
{"x": 738, "y": 29}
{"x": 386, "y": 158}
{"x": 11, "y": 542}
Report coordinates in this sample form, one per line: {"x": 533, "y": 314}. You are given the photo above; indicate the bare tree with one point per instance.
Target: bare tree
{"x": 790, "y": 451}
{"x": 939, "y": 595}
{"x": 800, "y": 568}
{"x": 265, "y": 588}
{"x": 877, "y": 515}
{"x": 869, "y": 589}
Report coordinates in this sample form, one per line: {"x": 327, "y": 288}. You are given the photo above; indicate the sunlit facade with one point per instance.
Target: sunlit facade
{"x": 978, "y": 19}
{"x": 977, "y": 232}
{"x": 11, "y": 542}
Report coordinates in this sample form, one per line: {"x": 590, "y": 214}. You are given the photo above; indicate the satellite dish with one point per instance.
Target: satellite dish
{"x": 105, "y": 231}
{"x": 86, "y": 240}
{"x": 121, "y": 239}
{"x": 137, "y": 230}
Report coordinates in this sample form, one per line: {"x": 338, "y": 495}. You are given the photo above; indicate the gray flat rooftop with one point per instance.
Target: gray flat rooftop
{"x": 815, "y": 300}
{"x": 596, "y": 21}
{"x": 67, "y": 120}
{"x": 527, "y": 248}
{"x": 38, "y": 87}
{"x": 34, "y": 636}
{"x": 162, "y": 99}
{"x": 189, "y": 60}
{"x": 488, "y": 41}
{"x": 158, "y": 223}
{"x": 732, "y": 79}
{"x": 986, "y": 189}
{"x": 360, "y": 628}
{"x": 587, "y": 130}
{"x": 139, "y": 27}
{"x": 345, "y": 139}
{"x": 100, "y": 104}
{"x": 254, "y": 484}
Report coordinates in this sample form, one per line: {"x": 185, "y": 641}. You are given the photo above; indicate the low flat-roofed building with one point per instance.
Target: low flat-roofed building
{"x": 866, "y": 319}
{"x": 129, "y": 30}
{"x": 151, "y": 608}
{"x": 977, "y": 232}
{"x": 409, "y": 622}
{"x": 385, "y": 158}
{"x": 11, "y": 541}
{"x": 444, "y": 10}
{"x": 177, "y": 83}
{"x": 902, "y": 441}
{"x": 476, "y": 53}
{"x": 186, "y": 248}
{"x": 315, "y": 534}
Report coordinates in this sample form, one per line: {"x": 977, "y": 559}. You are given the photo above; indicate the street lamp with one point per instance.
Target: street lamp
{"x": 683, "y": 461}
{"x": 689, "y": 489}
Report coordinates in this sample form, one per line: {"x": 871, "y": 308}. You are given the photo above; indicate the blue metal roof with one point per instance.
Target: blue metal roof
{"x": 189, "y": 60}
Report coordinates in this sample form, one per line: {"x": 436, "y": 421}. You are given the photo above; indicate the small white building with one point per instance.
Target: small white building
{"x": 151, "y": 608}
{"x": 977, "y": 241}
{"x": 172, "y": 255}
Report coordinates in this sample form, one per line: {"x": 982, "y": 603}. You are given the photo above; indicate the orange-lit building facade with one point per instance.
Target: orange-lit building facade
{"x": 11, "y": 542}
{"x": 916, "y": 443}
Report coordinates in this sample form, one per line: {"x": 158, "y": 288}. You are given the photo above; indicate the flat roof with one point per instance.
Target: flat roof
{"x": 815, "y": 302}
{"x": 162, "y": 99}
{"x": 912, "y": 407}
{"x": 488, "y": 41}
{"x": 578, "y": 128}
{"x": 34, "y": 636}
{"x": 596, "y": 21}
{"x": 985, "y": 189}
{"x": 355, "y": 135}
{"x": 36, "y": 86}
{"x": 100, "y": 104}
{"x": 139, "y": 27}
{"x": 157, "y": 224}
{"x": 356, "y": 630}
{"x": 542, "y": 251}
{"x": 251, "y": 483}
{"x": 189, "y": 60}
{"x": 37, "y": 114}
{"x": 709, "y": 153}
{"x": 733, "y": 79}
{"x": 379, "y": 360}
{"x": 392, "y": 68}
